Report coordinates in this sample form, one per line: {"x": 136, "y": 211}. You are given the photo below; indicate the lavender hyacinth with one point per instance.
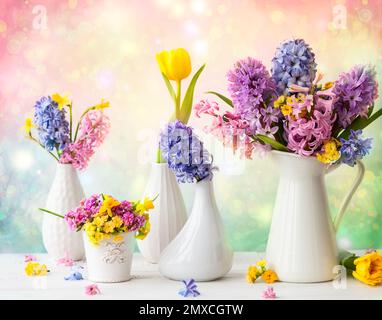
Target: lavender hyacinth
{"x": 184, "y": 153}
{"x": 53, "y": 129}
{"x": 293, "y": 63}
{"x": 354, "y": 148}
{"x": 356, "y": 90}
{"x": 250, "y": 85}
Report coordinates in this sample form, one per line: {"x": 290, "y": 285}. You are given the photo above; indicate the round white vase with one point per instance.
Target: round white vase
{"x": 169, "y": 214}
{"x": 109, "y": 261}
{"x": 200, "y": 251}
{"x": 65, "y": 194}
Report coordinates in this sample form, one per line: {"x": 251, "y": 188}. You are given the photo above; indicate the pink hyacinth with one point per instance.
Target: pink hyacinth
{"x": 206, "y": 107}
{"x": 92, "y": 132}
{"x": 92, "y": 290}
{"x": 29, "y": 258}
{"x": 65, "y": 261}
{"x": 269, "y": 293}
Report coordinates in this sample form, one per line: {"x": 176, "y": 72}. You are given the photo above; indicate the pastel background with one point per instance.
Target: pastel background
{"x": 97, "y": 49}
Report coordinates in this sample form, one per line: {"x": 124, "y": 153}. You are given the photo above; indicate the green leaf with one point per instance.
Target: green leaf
{"x": 371, "y": 109}
{"x": 185, "y": 110}
{"x": 347, "y": 259}
{"x": 169, "y": 87}
{"x": 51, "y": 212}
{"x": 224, "y": 98}
{"x": 360, "y": 123}
{"x": 272, "y": 142}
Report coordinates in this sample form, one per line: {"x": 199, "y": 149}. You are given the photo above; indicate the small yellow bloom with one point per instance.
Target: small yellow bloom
{"x": 28, "y": 126}
{"x": 261, "y": 263}
{"x": 286, "y": 110}
{"x": 35, "y": 269}
{"x": 252, "y": 274}
{"x": 108, "y": 203}
{"x": 330, "y": 152}
{"x": 279, "y": 102}
{"x": 117, "y": 221}
{"x": 102, "y": 105}
{"x": 62, "y": 101}
{"x": 174, "y": 64}
{"x": 109, "y": 227}
{"x": 144, "y": 231}
{"x": 369, "y": 269}
{"x": 327, "y": 85}
{"x": 290, "y": 100}
{"x": 146, "y": 205}
{"x": 269, "y": 276}
{"x": 117, "y": 239}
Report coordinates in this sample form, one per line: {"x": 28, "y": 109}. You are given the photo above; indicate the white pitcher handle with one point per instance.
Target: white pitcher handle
{"x": 349, "y": 196}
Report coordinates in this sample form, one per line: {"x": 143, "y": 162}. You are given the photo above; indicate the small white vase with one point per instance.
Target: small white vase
{"x": 200, "y": 250}
{"x": 169, "y": 213}
{"x": 109, "y": 261}
{"x": 65, "y": 194}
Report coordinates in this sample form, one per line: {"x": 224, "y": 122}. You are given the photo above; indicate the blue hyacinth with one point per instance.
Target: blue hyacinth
{"x": 293, "y": 63}
{"x": 184, "y": 153}
{"x": 354, "y": 148}
{"x": 53, "y": 129}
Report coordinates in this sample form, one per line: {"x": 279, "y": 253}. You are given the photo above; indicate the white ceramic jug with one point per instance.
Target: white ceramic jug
{"x": 200, "y": 250}
{"x": 169, "y": 214}
{"x": 302, "y": 244}
{"x": 65, "y": 194}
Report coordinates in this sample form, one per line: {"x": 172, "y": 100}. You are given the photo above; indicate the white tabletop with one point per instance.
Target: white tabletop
{"x": 148, "y": 284}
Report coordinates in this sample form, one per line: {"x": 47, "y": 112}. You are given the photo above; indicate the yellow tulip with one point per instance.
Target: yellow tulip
{"x": 369, "y": 269}
{"x": 174, "y": 64}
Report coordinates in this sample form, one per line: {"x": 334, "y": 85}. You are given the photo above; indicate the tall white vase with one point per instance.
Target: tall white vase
{"x": 169, "y": 214}
{"x": 200, "y": 250}
{"x": 65, "y": 194}
{"x": 302, "y": 244}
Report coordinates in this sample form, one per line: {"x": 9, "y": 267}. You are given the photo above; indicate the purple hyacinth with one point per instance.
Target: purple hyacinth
{"x": 354, "y": 148}
{"x": 185, "y": 153}
{"x": 53, "y": 129}
{"x": 293, "y": 63}
{"x": 356, "y": 90}
{"x": 250, "y": 85}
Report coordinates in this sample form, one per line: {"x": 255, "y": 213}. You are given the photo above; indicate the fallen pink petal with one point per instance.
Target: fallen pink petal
{"x": 65, "y": 261}
{"x": 92, "y": 290}
{"x": 29, "y": 258}
{"x": 269, "y": 293}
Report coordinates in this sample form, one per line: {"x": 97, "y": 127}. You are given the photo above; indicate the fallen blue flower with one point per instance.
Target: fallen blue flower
{"x": 190, "y": 289}
{"x": 75, "y": 274}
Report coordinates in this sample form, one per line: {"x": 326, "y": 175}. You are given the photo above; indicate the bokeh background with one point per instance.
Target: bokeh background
{"x": 97, "y": 49}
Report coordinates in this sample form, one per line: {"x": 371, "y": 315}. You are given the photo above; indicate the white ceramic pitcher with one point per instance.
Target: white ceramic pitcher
{"x": 302, "y": 244}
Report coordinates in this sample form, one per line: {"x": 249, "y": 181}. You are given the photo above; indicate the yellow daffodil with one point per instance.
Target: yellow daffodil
{"x": 369, "y": 269}
{"x": 108, "y": 203}
{"x": 35, "y": 269}
{"x": 117, "y": 221}
{"x": 174, "y": 64}
{"x": 108, "y": 227}
{"x": 144, "y": 231}
{"x": 269, "y": 276}
{"x": 146, "y": 205}
{"x": 252, "y": 274}
{"x": 102, "y": 105}
{"x": 28, "y": 126}
{"x": 62, "y": 101}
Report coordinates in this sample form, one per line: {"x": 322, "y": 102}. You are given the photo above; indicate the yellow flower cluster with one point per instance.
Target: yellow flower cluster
{"x": 329, "y": 151}
{"x": 105, "y": 225}
{"x": 260, "y": 270}
{"x": 34, "y": 268}
{"x": 285, "y": 104}
{"x": 369, "y": 268}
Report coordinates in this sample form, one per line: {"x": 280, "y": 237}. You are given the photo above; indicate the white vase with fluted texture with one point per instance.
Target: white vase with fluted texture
{"x": 65, "y": 194}
{"x": 200, "y": 251}
{"x": 169, "y": 214}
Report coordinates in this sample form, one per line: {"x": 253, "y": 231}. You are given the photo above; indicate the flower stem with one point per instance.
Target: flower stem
{"x": 51, "y": 212}
{"x": 177, "y": 101}
{"x": 159, "y": 156}
{"x": 33, "y": 139}
{"x": 71, "y": 121}
{"x": 79, "y": 122}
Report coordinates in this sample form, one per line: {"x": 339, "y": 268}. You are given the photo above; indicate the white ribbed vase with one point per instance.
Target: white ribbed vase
{"x": 65, "y": 194}
{"x": 169, "y": 213}
{"x": 200, "y": 251}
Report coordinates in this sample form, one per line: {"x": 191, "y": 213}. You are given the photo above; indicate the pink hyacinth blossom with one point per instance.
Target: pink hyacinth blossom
{"x": 29, "y": 258}
{"x": 92, "y": 290}
{"x": 269, "y": 293}
{"x": 65, "y": 261}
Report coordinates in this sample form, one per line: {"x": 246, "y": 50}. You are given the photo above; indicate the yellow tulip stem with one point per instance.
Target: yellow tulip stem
{"x": 178, "y": 96}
